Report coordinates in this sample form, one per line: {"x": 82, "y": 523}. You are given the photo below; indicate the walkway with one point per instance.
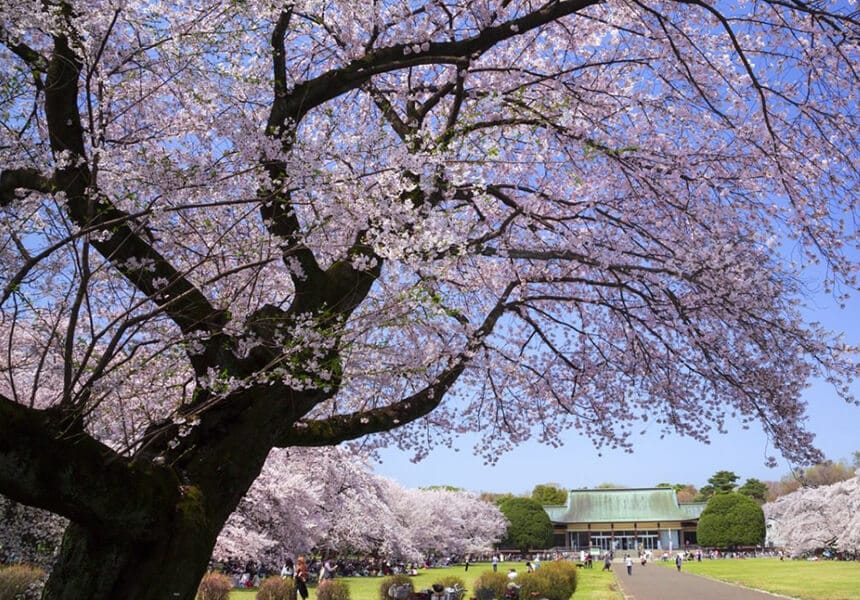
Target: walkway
{"x": 655, "y": 582}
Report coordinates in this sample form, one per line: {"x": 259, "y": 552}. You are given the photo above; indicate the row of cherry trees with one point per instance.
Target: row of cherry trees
{"x": 814, "y": 518}
{"x": 327, "y": 499}
{"x": 311, "y": 500}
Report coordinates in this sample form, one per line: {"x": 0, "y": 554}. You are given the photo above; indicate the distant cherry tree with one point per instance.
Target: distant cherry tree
{"x": 328, "y": 500}
{"x": 233, "y": 226}
{"x": 813, "y": 519}
{"x": 29, "y": 535}
{"x": 446, "y": 522}
{"x": 311, "y": 499}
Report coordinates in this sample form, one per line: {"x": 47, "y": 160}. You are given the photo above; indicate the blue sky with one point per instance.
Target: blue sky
{"x": 655, "y": 460}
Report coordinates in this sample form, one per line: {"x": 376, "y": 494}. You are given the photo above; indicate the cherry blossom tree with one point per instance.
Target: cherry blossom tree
{"x": 445, "y": 522}
{"x": 305, "y": 499}
{"x": 329, "y": 499}
{"x": 236, "y": 226}
{"x": 812, "y": 519}
{"x": 28, "y": 535}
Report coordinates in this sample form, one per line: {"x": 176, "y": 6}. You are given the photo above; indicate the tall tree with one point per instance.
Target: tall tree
{"x": 236, "y": 226}
{"x": 549, "y": 493}
{"x": 720, "y": 482}
{"x": 755, "y": 489}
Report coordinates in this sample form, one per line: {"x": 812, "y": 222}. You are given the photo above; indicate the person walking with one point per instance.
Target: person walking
{"x": 495, "y": 563}
{"x": 678, "y": 561}
{"x": 628, "y": 562}
{"x": 302, "y": 577}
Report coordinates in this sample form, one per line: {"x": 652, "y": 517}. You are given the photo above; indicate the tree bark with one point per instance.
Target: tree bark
{"x": 168, "y": 567}
{"x": 171, "y": 558}
{"x": 174, "y": 511}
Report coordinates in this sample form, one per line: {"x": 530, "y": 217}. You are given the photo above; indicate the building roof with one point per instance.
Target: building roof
{"x": 613, "y": 505}
{"x": 693, "y": 509}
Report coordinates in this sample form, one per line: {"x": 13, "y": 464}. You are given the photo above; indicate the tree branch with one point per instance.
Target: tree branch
{"x": 310, "y": 94}
{"x": 37, "y": 63}
{"x": 340, "y": 428}
{"x": 48, "y": 464}
{"x": 121, "y": 243}
{"x": 24, "y": 179}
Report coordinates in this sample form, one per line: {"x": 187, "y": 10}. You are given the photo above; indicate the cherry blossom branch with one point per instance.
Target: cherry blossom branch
{"x": 340, "y": 428}
{"x": 122, "y": 245}
{"x": 310, "y": 94}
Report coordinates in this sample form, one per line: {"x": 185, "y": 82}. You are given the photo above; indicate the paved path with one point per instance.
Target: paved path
{"x": 655, "y": 582}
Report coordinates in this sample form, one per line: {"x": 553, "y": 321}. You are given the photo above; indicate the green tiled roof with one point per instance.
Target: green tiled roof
{"x": 612, "y": 505}
{"x": 693, "y": 509}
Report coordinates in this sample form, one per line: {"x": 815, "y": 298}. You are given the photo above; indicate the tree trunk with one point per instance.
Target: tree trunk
{"x": 166, "y": 561}
{"x": 164, "y": 568}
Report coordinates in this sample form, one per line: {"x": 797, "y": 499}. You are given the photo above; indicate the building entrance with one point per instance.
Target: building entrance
{"x": 625, "y": 540}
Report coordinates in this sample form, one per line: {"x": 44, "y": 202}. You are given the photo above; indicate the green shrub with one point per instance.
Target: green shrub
{"x": 214, "y": 586}
{"x": 731, "y": 519}
{"x": 564, "y": 571}
{"x": 276, "y": 588}
{"x": 489, "y": 585}
{"x": 332, "y": 589}
{"x": 20, "y": 581}
{"x": 555, "y": 581}
{"x": 388, "y": 582}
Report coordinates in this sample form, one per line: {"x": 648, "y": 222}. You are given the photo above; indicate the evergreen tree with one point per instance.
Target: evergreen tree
{"x": 529, "y": 528}
{"x": 730, "y": 520}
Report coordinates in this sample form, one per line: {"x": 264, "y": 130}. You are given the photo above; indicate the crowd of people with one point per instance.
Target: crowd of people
{"x": 249, "y": 574}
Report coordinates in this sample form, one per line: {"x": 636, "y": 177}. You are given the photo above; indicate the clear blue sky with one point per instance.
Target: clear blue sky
{"x": 672, "y": 459}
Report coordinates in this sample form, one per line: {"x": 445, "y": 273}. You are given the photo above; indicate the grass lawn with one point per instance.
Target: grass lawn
{"x": 592, "y": 584}
{"x": 808, "y": 580}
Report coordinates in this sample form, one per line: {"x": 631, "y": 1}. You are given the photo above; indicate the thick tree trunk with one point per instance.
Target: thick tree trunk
{"x": 167, "y": 560}
{"x": 165, "y": 568}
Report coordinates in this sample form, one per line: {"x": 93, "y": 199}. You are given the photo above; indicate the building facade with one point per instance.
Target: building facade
{"x": 624, "y": 519}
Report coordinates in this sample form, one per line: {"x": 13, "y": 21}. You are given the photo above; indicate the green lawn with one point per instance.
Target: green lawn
{"x": 593, "y": 584}
{"x": 819, "y": 580}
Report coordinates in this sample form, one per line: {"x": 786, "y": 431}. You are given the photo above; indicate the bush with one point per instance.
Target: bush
{"x": 388, "y": 582}
{"x": 332, "y": 589}
{"x": 489, "y": 585}
{"x": 276, "y": 588}
{"x": 19, "y": 582}
{"x": 555, "y": 581}
{"x": 214, "y": 586}
{"x": 453, "y": 582}
{"x": 731, "y": 519}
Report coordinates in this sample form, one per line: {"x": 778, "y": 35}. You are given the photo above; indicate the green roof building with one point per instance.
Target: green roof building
{"x": 624, "y": 519}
